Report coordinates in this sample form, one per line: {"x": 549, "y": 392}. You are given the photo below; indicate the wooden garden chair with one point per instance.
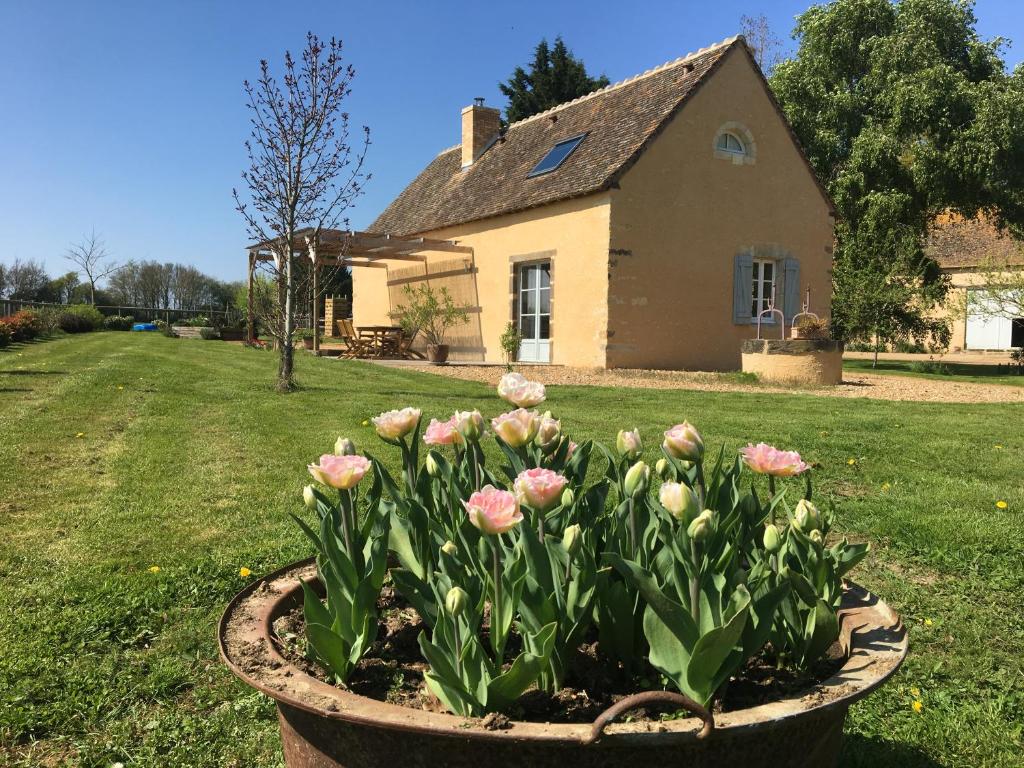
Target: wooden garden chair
{"x": 405, "y": 350}
{"x": 355, "y": 344}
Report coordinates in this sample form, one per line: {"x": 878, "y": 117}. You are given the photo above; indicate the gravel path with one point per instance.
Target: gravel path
{"x": 868, "y": 385}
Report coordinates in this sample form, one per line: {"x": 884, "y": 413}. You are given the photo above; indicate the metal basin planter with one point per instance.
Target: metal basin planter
{"x": 323, "y": 726}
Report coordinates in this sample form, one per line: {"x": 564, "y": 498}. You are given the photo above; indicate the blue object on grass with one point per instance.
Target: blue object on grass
{"x": 145, "y": 327}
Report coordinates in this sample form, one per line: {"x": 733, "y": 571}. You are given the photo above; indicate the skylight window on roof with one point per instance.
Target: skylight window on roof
{"x": 557, "y": 155}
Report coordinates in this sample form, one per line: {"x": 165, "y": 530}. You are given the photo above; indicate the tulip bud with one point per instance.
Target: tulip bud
{"x": 449, "y": 548}
{"x": 662, "y": 469}
{"x": 572, "y": 539}
{"x": 309, "y": 497}
{"x": 568, "y": 497}
{"x": 455, "y": 601}
{"x": 344, "y": 447}
{"x": 432, "y": 466}
{"x": 680, "y": 500}
{"x": 683, "y": 442}
{"x": 702, "y": 526}
{"x": 628, "y": 444}
{"x": 636, "y": 479}
{"x": 549, "y": 433}
{"x": 772, "y": 540}
{"x": 816, "y": 537}
{"x": 470, "y": 424}
{"x": 806, "y": 517}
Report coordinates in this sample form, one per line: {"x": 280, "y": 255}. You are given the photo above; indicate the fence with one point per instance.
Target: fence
{"x": 171, "y": 316}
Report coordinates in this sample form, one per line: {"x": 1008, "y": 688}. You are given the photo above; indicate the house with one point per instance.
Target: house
{"x": 964, "y": 249}
{"x": 644, "y": 225}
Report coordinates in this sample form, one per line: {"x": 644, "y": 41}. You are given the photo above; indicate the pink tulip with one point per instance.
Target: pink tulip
{"x": 518, "y": 390}
{"x": 769, "y": 460}
{"x": 540, "y": 489}
{"x": 470, "y": 424}
{"x": 493, "y": 511}
{"x": 517, "y": 428}
{"x": 683, "y": 442}
{"x": 442, "y": 433}
{"x": 393, "y": 425}
{"x": 549, "y": 432}
{"x": 341, "y": 472}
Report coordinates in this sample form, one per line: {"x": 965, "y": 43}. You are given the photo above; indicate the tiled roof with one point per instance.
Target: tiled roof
{"x": 958, "y": 243}
{"x": 619, "y": 122}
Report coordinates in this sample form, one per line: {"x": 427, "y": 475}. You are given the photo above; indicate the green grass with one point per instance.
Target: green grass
{"x": 189, "y": 461}
{"x": 940, "y": 370}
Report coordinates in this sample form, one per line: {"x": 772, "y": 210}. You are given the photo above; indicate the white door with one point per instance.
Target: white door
{"x": 986, "y": 330}
{"x": 534, "y": 289}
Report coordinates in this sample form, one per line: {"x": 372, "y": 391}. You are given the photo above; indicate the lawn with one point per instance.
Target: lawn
{"x": 120, "y": 452}
{"x": 940, "y": 370}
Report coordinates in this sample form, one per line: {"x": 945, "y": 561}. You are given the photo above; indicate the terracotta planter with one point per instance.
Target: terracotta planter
{"x": 323, "y": 726}
{"x": 437, "y": 353}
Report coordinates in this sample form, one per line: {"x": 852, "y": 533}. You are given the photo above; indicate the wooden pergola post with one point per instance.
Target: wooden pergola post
{"x": 250, "y": 319}
{"x": 315, "y": 309}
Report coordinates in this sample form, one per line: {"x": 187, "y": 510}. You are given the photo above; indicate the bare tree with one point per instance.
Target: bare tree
{"x": 92, "y": 259}
{"x": 303, "y": 173}
{"x": 27, "y": 280}
{"x": 765, "y": 45}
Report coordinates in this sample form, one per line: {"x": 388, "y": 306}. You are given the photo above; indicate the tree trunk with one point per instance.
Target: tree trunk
{"x": 285, "y": 376}
{"x": 92, "y": 292}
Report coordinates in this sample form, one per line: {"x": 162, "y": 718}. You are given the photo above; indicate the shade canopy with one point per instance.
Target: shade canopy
{"x": 358, "y": 249}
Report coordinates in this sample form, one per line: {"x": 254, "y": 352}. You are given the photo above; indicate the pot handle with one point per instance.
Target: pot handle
{"x": 650, "y": 697}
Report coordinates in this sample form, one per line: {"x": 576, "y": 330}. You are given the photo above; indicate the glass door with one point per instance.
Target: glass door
{"x": 534, "y": 289}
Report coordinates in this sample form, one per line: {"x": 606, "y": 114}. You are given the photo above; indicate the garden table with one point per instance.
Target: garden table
{"x": 383, "y": 340}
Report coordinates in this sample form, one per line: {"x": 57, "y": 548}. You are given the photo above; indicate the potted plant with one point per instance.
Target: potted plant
{"x": 510, "y": 617}
{"x": 511, "y": 340}
{"x": 307, "y": 336}
{"x": 431, "y": 313}
{"x": 809, "y": 327}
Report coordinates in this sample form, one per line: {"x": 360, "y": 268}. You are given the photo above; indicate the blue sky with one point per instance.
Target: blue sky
{"x": 129, "y": 117}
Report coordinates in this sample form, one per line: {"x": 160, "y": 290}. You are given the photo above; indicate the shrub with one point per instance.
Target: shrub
{"x": 24, "y": 325}
{"x": 209, "y": 333}
{"x": 199, "y": 321}
{"x": 5, "y": 334}
{"x": 80, "y": 318}
{"x": 117, "y": 323}
{"x": 931, "y": 366}
{"x": 510, "y": 342}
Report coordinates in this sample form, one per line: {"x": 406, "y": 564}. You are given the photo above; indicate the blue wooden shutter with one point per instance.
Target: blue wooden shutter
{"x": 742, "y": 287}
{"x": 791, "y": 287}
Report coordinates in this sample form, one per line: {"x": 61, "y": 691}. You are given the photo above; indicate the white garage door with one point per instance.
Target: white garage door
{"x": 985, "y": 331}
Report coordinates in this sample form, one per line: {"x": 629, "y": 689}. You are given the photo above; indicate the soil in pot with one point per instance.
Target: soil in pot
{"x": 393, "y": 672}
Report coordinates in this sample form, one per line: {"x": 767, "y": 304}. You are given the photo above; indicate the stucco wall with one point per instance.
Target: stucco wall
{"x": 684, "y": 211}
{"x": 572, "y": 234}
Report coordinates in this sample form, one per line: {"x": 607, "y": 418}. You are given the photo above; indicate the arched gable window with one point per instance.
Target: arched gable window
{"x": 734, "y": 142}
{"x": 729, "y": 142}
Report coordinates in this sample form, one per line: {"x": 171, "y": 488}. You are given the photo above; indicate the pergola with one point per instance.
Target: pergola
{"x": 337, "y": 247}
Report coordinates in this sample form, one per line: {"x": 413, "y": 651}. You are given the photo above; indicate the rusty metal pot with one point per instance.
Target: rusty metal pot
{"x": 323, "y": 726}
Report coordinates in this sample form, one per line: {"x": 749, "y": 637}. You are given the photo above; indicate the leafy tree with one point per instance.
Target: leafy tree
{"x": 555, "y": 76}
{"x": 64, "y": 288}
{"x": 27, "y": 280}
{"x": 904, "y": 112}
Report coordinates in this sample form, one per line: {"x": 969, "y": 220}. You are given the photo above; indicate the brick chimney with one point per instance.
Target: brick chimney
{"x": 480, "y": 125}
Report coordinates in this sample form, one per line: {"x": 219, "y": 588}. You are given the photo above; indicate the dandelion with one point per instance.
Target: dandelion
{"x": 120, "y": 386}
{"x": 917, "y": 706}
{"x": 915, "y": 692}
{"x": 928, "y": 622}
{"x": 154, "y": 569}
{"x": 1001, "y": 504}
{"x": 998, "y": 447}
{"x": 80, "y": 434}
{"x": 886, "y": 486}
{"x": 851, "y": 462}
{"x": 366, "y": 422}
{"x": 244, "y": 572}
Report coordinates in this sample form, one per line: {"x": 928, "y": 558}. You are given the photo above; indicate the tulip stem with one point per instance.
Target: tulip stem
{"x": 458, "y": 645}
{"x": 634, "y": 546}
{"x": 497, "y": 641}
{"x": 771, "y": 500}
{"x": 701, "y": 484}
{"x": 695, "y": 585}
{"x": 345, "y": 498}
{"x": 540, "y": 526}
